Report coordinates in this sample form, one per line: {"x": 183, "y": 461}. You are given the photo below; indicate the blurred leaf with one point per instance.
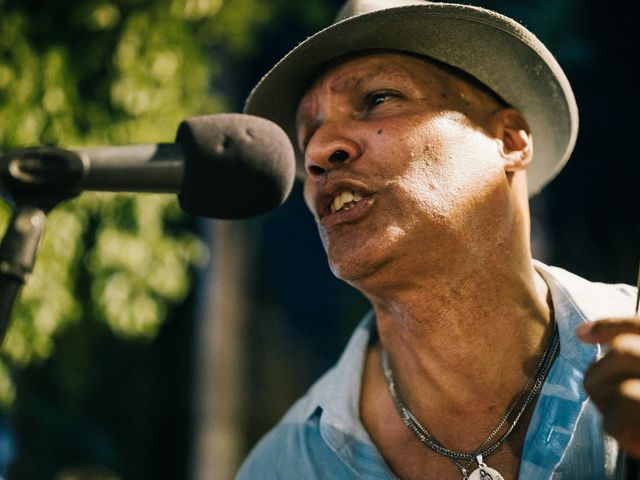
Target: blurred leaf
{"x": 99, "y": 72}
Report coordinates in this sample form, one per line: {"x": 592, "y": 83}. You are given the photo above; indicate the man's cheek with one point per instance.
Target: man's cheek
{"x": 309, "y": 196}
{"x": 323, "y": 239}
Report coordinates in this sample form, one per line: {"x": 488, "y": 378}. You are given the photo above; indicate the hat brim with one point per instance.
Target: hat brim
{"x": 496, "y": 50}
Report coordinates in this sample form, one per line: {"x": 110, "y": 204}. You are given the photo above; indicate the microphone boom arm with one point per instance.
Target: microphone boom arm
{"x": 134, "y": 168}
{"x": 130, "y": 168}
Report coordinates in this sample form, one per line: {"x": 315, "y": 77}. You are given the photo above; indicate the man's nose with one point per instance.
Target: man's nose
{"x": 329, "y": 148}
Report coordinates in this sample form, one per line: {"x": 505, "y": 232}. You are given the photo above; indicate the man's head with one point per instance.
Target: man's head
{"x": 494, "y": 49}
{"x": 421, "y": 133}
{"x": 402, "y": 153}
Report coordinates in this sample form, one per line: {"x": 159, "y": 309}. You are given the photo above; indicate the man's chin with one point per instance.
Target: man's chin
{"x": 354, "y": 269}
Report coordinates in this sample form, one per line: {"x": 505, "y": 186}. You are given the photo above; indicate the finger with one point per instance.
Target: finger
{"x": 621, "y": 414}
{"x": 621, "y": 362}
{"x": 602, "y": 331}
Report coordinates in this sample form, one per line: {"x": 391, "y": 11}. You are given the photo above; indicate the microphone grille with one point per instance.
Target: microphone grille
{"x": 236, "y": 165}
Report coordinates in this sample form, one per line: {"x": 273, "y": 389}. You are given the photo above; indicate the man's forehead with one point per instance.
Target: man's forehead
{"x": 346, "y": 74}
{"x": 349, "y": 73}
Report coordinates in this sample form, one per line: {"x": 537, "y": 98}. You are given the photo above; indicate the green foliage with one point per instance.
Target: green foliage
{"x": 100, "y": 72}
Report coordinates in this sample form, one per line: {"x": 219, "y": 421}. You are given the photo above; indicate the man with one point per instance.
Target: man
{"x": 417, "y": 122}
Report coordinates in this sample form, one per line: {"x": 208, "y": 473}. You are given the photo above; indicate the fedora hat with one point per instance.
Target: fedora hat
{"x": 494, "y": 49}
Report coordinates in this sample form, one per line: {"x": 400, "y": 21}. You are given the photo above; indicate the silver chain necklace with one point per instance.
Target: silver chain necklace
{"x": 464, "y": 460}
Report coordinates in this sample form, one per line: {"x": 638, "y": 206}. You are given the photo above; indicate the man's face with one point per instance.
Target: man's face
{"x": 398, "y": 162}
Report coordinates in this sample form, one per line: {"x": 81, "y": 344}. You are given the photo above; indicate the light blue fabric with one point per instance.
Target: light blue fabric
{"x": 321, "y": 437}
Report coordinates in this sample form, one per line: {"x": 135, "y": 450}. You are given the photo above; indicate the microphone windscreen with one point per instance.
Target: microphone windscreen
{"x": 235, "y": 165}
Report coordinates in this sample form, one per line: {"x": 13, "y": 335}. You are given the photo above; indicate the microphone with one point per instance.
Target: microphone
{"x": 227, "y": 166}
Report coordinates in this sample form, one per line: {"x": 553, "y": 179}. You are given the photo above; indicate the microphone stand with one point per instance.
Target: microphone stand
{"x": 34, "y": 182}
{"x": 17, "y": 256}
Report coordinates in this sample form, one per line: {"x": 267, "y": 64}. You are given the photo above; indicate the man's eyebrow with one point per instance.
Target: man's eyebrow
{"x": 352, "y": 81}
{"x": 387, "y": 72}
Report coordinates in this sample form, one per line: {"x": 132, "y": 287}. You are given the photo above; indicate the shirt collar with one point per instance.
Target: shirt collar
{"x": 568, "y": 315}
{"x": 562, "y": 402}
{"x": 338, "y": 393}
{"x": 336, "y": 396}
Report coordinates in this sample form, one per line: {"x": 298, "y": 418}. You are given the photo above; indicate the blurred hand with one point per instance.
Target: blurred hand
{"x": 613, "y": 382}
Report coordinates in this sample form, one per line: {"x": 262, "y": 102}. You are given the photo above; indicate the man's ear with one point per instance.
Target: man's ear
{"x": 511, "y": 132}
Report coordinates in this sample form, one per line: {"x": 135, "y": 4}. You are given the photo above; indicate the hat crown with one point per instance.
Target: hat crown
{"x": 353, "y": 8}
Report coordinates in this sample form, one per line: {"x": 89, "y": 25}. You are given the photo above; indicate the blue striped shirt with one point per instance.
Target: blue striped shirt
{"x": 322, "y": 437}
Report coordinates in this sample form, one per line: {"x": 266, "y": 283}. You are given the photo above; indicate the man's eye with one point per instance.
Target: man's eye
{"x": 377, "y": 98}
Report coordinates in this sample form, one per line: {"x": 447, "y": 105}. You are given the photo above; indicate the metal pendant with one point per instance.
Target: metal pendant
{"x": 485, "y": 473}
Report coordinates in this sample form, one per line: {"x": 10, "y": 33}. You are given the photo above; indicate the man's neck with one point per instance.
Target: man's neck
{"x": 465, "y": 344}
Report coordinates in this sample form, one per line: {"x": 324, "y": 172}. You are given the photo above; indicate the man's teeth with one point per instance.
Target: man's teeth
{"x": 345, "y": 200}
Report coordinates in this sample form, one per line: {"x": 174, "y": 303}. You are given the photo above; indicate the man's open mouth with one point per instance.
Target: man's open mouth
{"x": 344, "y": 200}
